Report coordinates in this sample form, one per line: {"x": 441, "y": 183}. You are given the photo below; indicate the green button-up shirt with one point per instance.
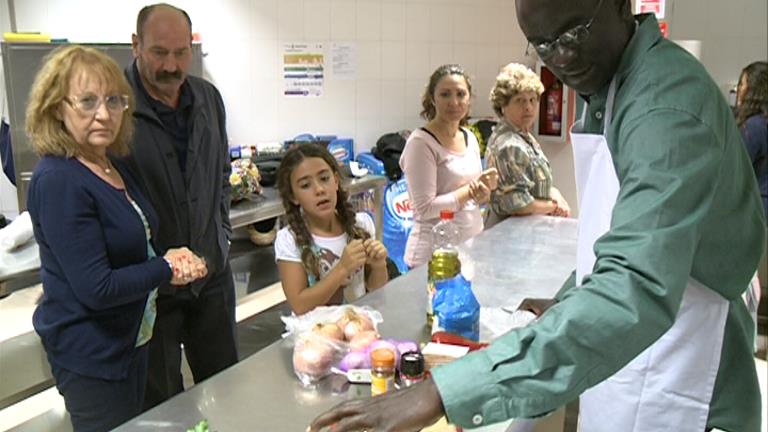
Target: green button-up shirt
{"x": 688, "y": 207}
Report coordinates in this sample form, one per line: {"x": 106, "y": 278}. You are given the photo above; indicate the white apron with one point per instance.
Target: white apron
{"x": 668, "y": 387}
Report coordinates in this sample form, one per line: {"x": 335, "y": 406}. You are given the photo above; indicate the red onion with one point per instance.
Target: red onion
{"x": 405, "y": 346}
{"x": 355, "y": 360}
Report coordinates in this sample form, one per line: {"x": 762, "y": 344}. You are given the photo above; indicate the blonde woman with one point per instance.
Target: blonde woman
{"x": 95, "y": 231}
{"x": 525, "y": 177}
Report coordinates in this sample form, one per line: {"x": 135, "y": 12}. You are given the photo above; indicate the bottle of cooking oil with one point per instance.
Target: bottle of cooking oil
{"x": 444, "y": 263}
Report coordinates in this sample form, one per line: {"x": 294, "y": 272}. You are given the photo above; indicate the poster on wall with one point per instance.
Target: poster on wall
{"x": 651, "y": 6}
{"x": 303, "y": 69}
{"x": 343, "y": 60}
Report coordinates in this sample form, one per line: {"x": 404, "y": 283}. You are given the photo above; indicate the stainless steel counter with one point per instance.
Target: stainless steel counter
{"x": 20, "y": 268}
{"x": 517, "y": 258}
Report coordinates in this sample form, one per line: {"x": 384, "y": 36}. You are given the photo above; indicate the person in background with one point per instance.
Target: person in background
{"x": 327, "y": 254}
{"x": 525, "y": 177}
{"x": 96, "y": 232}
{"x": 752, "y": 118}
{"x": 650, "y": 332}
{"x": 181, "y": 157}
{"x": 441, "y": 164}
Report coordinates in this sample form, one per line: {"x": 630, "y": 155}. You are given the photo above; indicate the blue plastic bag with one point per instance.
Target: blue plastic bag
{"x": 398, "y": 222}
{"x": 456, "y": 308}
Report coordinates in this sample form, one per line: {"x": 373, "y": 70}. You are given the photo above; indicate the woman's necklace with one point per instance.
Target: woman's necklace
{"x": 105, "y": 166}
{"x": 108, "y": 168}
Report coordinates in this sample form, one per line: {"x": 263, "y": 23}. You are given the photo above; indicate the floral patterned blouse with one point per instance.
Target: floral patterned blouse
{"x": 524, "y": 171}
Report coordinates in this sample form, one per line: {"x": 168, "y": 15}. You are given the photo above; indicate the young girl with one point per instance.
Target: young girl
{"x": 327, "y": 254}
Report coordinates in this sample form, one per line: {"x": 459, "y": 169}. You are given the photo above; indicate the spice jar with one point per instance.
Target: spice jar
{"x": 382, "y": 371}
{"x": 411, "y": 368}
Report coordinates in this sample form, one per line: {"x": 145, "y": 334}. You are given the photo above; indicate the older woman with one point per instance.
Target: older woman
{"x": 525, "y": 178}
{"x": 95, "y": 230}
{"x": 441, "y": 163}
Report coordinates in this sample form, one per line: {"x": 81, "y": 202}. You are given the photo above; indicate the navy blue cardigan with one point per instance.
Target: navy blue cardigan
{"x": 94, "y": 267}
{"x": 755, "y": 135}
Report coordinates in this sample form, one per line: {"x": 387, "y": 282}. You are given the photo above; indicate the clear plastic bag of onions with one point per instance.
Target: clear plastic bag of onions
{"x": 325, "y": 336}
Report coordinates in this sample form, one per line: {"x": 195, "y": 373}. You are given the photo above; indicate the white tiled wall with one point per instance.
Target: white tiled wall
{"x": 399, "y": 42}
{"x": 733, "y": 33}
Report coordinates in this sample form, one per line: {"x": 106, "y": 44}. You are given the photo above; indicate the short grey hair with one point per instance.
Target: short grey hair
{"x": 513, "y": 79}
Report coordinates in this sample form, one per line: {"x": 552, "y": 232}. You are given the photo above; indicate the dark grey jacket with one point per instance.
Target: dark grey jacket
{"x": 193, "y": 210}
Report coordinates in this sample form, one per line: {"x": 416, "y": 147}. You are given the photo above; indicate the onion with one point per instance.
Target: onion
{"x": 329, "y": 330}
{"x": 362, "y": 340}
{"x": 353, "y": 323}
{"x": 312, "y": 358}
{"x": 355, "y": 360}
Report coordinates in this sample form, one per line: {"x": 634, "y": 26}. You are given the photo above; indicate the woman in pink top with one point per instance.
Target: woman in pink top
{"x": 441, "y": 163}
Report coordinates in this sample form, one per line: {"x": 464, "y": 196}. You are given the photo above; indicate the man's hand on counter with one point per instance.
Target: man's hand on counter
{"x": 536, "y": 305}
{"x": 410, "y": 409}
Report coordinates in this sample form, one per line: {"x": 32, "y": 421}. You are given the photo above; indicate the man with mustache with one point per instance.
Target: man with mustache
{"x": 180, "y": 152}
{"x": 651, "y": 331}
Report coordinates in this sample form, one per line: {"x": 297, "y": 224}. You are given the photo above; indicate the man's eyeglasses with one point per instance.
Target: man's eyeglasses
{"x": 89, "y": 103}
{"x": 570, "y": 39}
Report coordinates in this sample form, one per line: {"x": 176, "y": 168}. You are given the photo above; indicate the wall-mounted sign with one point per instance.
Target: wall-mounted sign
{"x": 343, "y": 60}
{"x": 651, "y": 6}
{"x": 303, "y": 69}
{"x": 664, "y": 27}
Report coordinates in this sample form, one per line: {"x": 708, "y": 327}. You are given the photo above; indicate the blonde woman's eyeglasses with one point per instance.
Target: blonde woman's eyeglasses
{"x": 89, "y": 103}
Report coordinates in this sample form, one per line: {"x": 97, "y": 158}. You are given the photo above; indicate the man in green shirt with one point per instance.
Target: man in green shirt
{"x": 650, "y": 330}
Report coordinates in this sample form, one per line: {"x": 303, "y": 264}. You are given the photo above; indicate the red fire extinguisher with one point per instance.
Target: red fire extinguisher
{"x": 554, "y": 101}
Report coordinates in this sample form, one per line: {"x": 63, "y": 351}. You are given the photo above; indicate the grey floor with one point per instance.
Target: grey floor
{"x": 254, "y": 268}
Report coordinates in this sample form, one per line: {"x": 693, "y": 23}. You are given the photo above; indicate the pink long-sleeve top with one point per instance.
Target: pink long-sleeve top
{"x": 433, "y": 173}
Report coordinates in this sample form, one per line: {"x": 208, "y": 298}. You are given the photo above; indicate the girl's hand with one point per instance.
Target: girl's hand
{"x": 353, "y": 257}
{"x": 375, "y": 252}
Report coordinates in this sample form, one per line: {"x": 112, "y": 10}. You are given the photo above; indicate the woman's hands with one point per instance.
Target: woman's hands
{"x": 490, "y": 178}
{"x": 562, "y": 209}
{"x": 186, "y": 266}
{"x": 480, "y": 189}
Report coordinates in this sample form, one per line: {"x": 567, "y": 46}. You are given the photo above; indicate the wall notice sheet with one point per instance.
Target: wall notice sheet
{"x": 343, "y": 60}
